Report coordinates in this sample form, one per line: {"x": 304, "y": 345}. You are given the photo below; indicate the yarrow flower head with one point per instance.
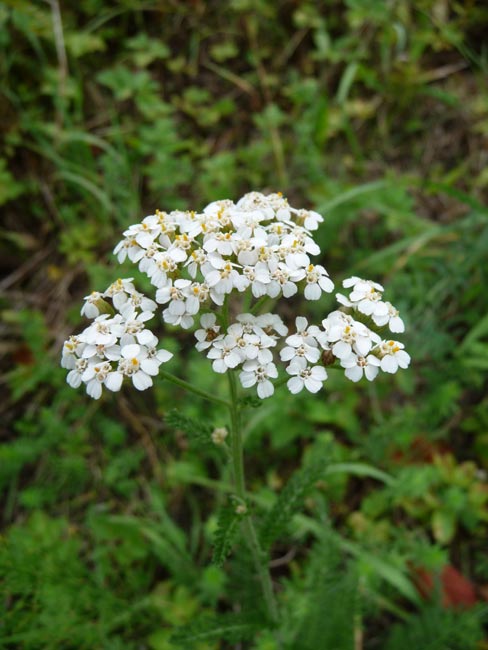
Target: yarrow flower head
{"x": 204, "y": 266}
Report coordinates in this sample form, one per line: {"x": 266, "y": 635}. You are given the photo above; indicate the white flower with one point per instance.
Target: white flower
{"x": 145, "y": 232}
{"x": 350, "y": 336}
{"x": 119, "y": 291}
{"x": 135, "y": 329}
{"x": 301, "y": 344}
{"x": 365, "y": 296}
{"x": 283, "y": 281}
{"x": 95, "y": 376}
{"x": 103, "y": 330}
{"x": 128, "y": 247}
{"x": 219, "y": 435}
{"x": 222, "y": 242}
{"x": 195, "y": 261}
{"x": 160, "y": 268}
{"x": 140, "y": 364}
{"x": 224, "y": 353}
{"x": 75, "y": 375}
{"x": 309, "y": 218}
{"x": 306, "y": 376}
{"x": 247, "y": 344}
{"x": 109, "y": 352}
{"x": 147, "y": 260}
{"x": 317, "y": 281}
{"x": 222, "y": 280}
{"x": 208, "y": 333}
{"x": 179, "y": 250}
{"x": 72, "y": 349}
{"x": 356, "y": 365}
{"x": 254, "y": 372}
{"x": 137, "y": 300}
{"x": 271, "y": 323}
{"x": 302, "y": 335}
{"x": 93, "y": 306}
{"x": 391, "y": 318}
{"x": 393, "y": 356}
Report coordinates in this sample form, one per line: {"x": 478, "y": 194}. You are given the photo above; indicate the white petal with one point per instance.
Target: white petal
{"x": 219, "y": 366}
{"x": 163, "y": 355}
{"x": 313, "y": 385}
{"x": 312, "y": 354}
{"x": 141, "y": 381}
{"x": 208, "y": 320}
{"x": 341, "y": 349}
{"x": 94, "y": 389}
{"x": 289, "y": 289}
{"x": 371, "y": 372}
{"x": 114, "y": 381}
{"x": 355, "y": 373}
{"x": 295, "y": 385}
{"x": 362, "y": 345}
{"x": 145, "y": 337}
{"x": 312, "y": 291}
{"x": 150, "y": 366}
{"x": 272, "y": 370}
{"x": 232, "y": 359}
{"x": 319, "y": 373}
{"x": 247, "y": 379}
{"x": 74, "y": 379}
{"x": 131, "y": 351}
{"x": 265, "y": 389}
{"x": 350, "y": 282}
{"x": 403, "y": 359}
{"x": 396, "y": 324}
{"x": 326, "y": 284}
{"x": 389, "y": 364}
{"x": 176, "y": 308}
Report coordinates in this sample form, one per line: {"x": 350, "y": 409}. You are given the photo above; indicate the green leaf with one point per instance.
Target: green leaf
{"x": 443, "y": 526}
{"x": 228, "y": 522}
{"x": 199, "y": 433}
{"x": 360, "y": 469}
{"x": 9, "y": 188}
{"x": 227, "y": 627}
{"x": 290, "y": 501}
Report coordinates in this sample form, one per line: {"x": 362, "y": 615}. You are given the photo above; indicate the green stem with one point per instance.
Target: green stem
{"x": 256, "y": 308}
{"x": 240, "y": 487}
{"x": 193, "y": 389}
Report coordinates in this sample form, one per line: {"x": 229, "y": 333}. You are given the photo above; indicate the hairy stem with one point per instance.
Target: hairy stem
{"x": 240, "y": 488}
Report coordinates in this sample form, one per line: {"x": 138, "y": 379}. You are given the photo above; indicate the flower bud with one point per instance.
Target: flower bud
{"x": 219, "y": 435}
{"x": 328, "y": 358}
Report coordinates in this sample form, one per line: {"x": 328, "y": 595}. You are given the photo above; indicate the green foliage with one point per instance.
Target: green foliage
{"x": 330, "y": 614}
{"x": 228, "y": 522}
{"x": 198, "y": 432}
{"x": 290, "y": 501}
{"x": 373, "y": 113}
{"x": 232, "y": 628}
{"x": 437, "y": 629}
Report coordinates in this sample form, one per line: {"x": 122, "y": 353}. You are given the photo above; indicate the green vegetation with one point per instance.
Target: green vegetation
{"x": 119, "y": 530}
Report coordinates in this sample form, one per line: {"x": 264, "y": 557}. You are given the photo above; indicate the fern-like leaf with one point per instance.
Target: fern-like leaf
{"x": 199, "y": 434}
{"x": 332, "y": 600}
{"x": 229, "y": 518}
{"x": 290, "y": 501}
{"x": 435, "y": 628}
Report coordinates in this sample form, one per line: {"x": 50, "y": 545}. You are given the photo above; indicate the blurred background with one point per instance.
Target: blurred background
{"x": 373, "y": 113}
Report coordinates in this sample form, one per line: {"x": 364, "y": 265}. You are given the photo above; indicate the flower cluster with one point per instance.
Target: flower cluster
{"x": 115, "y": 345}
{"x": 194, "y": 259}
{"x": 260, "y": 247}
